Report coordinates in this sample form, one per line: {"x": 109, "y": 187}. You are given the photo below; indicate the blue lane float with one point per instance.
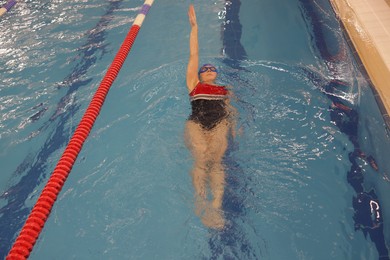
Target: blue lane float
{"x": 5, "y": 8}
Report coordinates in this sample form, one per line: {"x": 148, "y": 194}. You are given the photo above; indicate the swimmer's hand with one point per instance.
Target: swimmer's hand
{"x": 192, "y": 16}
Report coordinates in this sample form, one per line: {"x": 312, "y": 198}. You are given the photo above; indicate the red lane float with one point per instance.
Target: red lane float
{"x": 33, "y": 226}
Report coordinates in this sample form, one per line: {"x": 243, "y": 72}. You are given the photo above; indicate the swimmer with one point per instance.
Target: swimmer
{"x": 206, "y": 132}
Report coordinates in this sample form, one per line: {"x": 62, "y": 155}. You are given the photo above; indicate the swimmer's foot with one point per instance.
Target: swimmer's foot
{"x": 213, "y": 218}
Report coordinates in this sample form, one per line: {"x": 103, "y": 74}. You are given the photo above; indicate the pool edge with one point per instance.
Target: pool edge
{"x": 367, "y": 47}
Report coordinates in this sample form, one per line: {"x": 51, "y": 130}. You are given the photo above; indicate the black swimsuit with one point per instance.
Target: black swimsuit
{"x": 208, "y": 113}
{"x": 208, "y": 105}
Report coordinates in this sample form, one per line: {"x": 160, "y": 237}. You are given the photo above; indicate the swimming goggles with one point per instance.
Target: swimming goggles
{"x": 206, "y": 68}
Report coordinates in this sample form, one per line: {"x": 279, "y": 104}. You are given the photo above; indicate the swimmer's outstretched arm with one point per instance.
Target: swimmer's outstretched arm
{"x": 193, "y": 62}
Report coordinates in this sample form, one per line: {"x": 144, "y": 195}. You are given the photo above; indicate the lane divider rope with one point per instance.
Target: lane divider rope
{"x": 5, "y": 8}
{"x": 33, "y": 226}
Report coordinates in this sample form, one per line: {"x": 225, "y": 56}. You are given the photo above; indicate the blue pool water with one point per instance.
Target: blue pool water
{"x": 298, "y": 186}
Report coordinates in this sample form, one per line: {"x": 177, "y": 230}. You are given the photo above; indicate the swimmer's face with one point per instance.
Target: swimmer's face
{"x": 208, "y": 73}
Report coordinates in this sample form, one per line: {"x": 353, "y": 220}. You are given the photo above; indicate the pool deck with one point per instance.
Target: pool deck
{"x": 367, "y": 23}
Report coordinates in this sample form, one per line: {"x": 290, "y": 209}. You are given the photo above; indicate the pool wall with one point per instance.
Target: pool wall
{"x": 366, "y": 24}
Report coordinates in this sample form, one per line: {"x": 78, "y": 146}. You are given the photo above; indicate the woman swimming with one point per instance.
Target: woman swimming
{"x": 207, "y": 132}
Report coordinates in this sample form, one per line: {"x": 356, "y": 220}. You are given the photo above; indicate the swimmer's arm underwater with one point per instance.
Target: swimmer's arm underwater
{"x": 233, "y": 114}
{"x": 193, "y": 62}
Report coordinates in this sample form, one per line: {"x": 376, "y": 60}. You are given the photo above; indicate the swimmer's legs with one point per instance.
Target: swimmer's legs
{"x": 197, "y": 144}
{"x": 217, "y": 185}
{"x": 208, "y": 149}
{"x": 213, "y": 216}
{"x": 217, "y": 145}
